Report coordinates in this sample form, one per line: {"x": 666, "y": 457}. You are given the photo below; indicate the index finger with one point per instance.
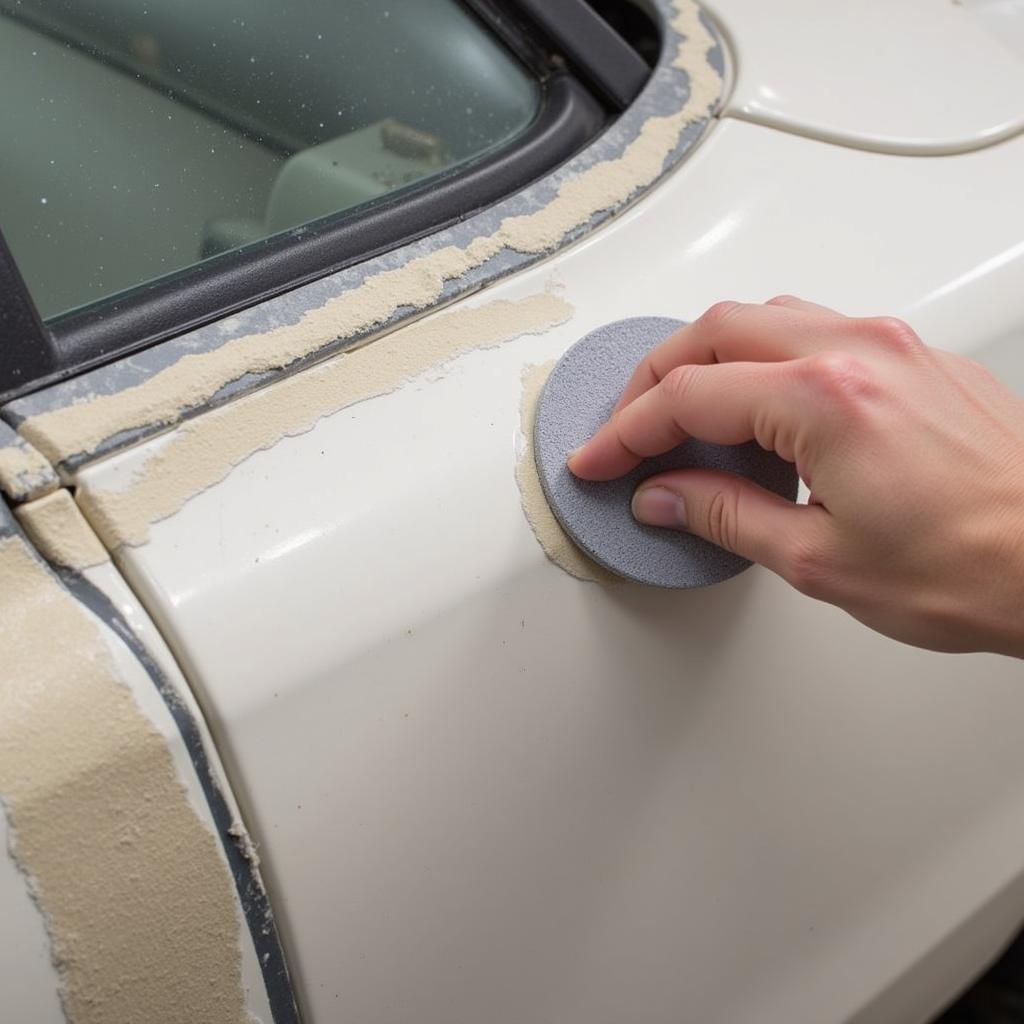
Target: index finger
{"x": 782, "y": 328}
{"x": 724, "y": 403}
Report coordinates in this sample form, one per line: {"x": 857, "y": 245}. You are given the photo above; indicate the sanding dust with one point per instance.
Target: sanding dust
{"x": 243, "y": 840}
{"x": 203, "y": 451}
{"x": 553, "y": 539}
{"x": 163, "y": 399}
{"x": 24, "y": 473}
{"x": 138, "y": 902}
{"x": 60, "y": 532}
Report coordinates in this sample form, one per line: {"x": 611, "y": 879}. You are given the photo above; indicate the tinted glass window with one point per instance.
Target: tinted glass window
{"x": 140, "y": 138}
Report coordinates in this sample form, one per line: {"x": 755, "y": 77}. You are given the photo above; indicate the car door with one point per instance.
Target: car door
{"x": 485, "y": 781}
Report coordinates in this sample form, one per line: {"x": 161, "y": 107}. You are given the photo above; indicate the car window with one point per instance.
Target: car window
{"x": 142, "y": 138}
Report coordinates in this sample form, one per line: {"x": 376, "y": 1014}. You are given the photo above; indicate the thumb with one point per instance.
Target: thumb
{"x": 728, "y": 510}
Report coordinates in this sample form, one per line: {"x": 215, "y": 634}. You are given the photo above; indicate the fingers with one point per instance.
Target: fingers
{"x": 736, "y": 514}
{"x": 727, "y": 403}
{"x": 783, "y": 328}
{"x": 792, "y": 302}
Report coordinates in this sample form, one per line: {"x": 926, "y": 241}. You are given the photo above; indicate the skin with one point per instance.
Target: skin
{"x": 914, "y": 458}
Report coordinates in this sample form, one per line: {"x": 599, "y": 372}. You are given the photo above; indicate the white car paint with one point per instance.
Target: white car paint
{"x": 28, "y": 979}
{"x": 484, "y": 790}
{"x": 915, "y": 76}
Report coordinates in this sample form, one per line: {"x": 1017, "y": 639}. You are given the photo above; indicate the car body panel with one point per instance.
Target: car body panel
{"x": 910, "y": 77}
{"x": 225, "y": 869}
{"x": 482, "y": 788}
{"x": 485, "y": 789}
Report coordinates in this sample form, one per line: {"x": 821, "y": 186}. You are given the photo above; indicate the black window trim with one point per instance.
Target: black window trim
{"x": 591, "y": 46}
{"x": 26, "y": 346}
{"x": 34, "y": 355}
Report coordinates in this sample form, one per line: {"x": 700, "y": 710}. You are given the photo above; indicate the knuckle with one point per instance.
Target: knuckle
{"x": 722, "y": 520}
{"x": 783, "y": 300}
{"x": 895, "y": 334}
{"x": 839, "y": 376}
{"x": 678, "y": 382}
{"x": 718, "y": 314}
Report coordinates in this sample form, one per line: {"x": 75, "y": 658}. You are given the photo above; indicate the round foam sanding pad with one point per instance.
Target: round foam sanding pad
{"x": 578, "y": 398}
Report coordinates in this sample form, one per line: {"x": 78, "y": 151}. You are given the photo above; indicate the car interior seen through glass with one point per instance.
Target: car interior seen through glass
{"x": 141, "y": 138}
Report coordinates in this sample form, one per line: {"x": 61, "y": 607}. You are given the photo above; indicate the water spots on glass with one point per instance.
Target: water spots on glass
{"x": 244, "y": 127}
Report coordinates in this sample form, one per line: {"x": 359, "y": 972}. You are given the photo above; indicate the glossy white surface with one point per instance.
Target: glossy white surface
{"x": 486, "y": 791}
{"x": 28, "y": 980}
{"x": 1004, "y": 19}
{"x": 917, "y": 76}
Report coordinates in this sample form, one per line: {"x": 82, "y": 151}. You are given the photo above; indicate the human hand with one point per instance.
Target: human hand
{"x": 914, "y": 458}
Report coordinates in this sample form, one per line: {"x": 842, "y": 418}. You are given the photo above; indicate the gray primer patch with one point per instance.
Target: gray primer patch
{"x": 578, "y": 397}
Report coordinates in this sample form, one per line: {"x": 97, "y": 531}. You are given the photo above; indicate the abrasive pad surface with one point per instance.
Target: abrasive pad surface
{"x": 577, "y": 398}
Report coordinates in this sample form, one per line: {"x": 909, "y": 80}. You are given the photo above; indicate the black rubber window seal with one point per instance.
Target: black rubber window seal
{"x": 594, "y": 49}
{"x": 27, "y": 349}
{"x": 33, "y": 354}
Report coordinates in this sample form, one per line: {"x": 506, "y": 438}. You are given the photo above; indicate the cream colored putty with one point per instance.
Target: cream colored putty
{"x": 139, "y": 905}
{"x": 24, "y": 473}
{"x": 203, "y": 451}
{"x": 57, "y": 528}
{"x": 163, "y": 399}
{"x": 546, "y": 528}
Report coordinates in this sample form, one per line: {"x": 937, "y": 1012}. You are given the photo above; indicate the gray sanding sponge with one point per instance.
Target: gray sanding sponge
{"x": 578, "y": 398}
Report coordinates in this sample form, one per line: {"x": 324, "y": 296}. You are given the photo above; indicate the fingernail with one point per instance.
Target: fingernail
{"x": 658, "y": 506}
{"x": 572, "y": 455}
